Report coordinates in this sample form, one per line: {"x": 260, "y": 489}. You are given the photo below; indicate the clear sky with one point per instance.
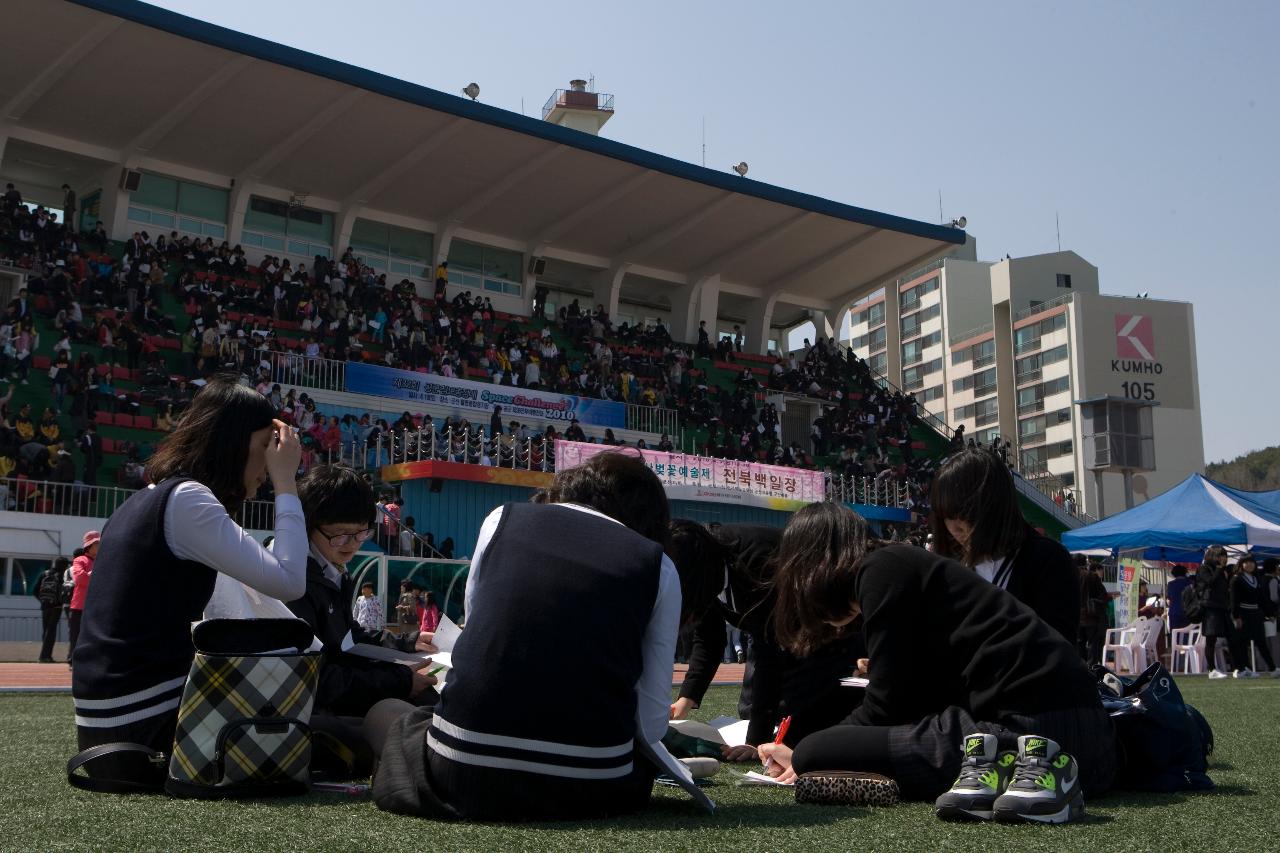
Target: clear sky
{"x": 1150, "y": 128}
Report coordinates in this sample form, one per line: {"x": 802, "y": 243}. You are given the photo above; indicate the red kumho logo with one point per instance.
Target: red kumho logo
{"x": 1135, "y": 338}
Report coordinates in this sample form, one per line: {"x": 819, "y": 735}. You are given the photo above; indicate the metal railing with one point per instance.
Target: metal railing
{"x": 466, "y": 446}
{"x": 1064, "y": 299}
{"x": 19, "y": 494}
{"x": 869, "y": 491}
{"x": 578, "y": 99}
{"x": 653, "y": 419}
{"x": 971, "y": 333}
{"x": 328, "y": 374}
{"x": 387, "y": 535}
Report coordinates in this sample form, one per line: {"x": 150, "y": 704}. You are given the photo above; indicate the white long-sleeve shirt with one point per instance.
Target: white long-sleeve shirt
{"x": 197, "y": 527}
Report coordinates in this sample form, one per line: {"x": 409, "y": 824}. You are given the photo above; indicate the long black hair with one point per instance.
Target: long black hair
{"x": 211, "y": 442}
{"x": 818, "y": 561}
{"x": 976, "y": 487}
{"x": 700, "y": 560}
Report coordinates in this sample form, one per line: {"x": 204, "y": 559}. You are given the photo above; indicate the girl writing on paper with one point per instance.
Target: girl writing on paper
{"x": 993, "y": 665}
{"x": 589, "y": 553}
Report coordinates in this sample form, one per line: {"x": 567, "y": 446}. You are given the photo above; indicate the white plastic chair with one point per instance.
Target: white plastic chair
{"x": 1186, "y": 651}
{"x": 1119, "y": 642}
{"x": 1144, "y": 648}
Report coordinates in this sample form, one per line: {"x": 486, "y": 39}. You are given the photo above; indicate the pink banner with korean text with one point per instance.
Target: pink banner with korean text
{"x": 700, "y": 478}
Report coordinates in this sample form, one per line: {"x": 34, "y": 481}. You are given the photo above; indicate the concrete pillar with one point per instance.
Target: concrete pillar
{"x": 893, "y": 333}
{"x": 115, "y": 205}
{"x": 759, "y": 319}
{"x": 607, "y": 289}
{"x": 344, "y": 223}
{"x": 708, "y": 306}
{"x": 684, "y": 302}
{"x": 237, "y": 208}
{"x": 443, "y": 240}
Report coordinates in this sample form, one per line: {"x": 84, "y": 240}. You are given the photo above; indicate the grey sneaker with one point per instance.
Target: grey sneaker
{"x": 1045, "y": 787}
{"x": 984, "y": 775}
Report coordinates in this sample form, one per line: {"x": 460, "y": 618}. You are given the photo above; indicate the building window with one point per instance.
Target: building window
{"x": 1064, "y": 280}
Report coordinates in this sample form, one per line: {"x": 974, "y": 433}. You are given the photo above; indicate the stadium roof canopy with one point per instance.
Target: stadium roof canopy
{"x": 91, "y": 83}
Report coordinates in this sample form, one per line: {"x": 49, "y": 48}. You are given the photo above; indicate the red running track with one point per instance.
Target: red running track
{"x": 30, "y": 677}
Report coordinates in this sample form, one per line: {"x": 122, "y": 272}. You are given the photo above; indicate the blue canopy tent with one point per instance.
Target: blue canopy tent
{"x": 1178, "y": 525}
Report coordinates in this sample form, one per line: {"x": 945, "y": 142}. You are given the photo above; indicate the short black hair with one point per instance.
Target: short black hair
{"x": 335, "y": 494}
{"x": 621, "y": 486}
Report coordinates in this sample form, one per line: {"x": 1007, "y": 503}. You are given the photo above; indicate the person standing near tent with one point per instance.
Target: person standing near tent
{"x": 1212, "y": 584}
{"x": 1250, "y": 606}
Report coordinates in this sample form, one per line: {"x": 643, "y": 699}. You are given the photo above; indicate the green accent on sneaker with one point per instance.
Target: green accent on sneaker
{"x": 1035, "y": 746}
{"x": 1062, "y": 760}
{"x": 991, "y": 779}
{"x": 1006, "y": 759}
{"x": 973, "y": 746}
{"x": 1048, "y": 781}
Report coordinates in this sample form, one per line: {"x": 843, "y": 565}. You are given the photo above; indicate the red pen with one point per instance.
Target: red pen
{"x": 777, "y": 739}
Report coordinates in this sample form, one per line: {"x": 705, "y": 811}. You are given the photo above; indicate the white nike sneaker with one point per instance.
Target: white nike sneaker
{"x": 1217, "y": 673}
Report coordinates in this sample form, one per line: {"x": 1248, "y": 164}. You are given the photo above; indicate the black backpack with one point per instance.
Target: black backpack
{"x": 1193, "y": 602}
{"x": 1162, "y": 743}
{"x": 49, "y": 592}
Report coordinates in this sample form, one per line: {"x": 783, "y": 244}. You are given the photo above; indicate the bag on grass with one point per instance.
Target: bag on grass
{"x": 243, "y": 720}
{"x": 846, "y": 788}
{"x": 1162, "y": 743}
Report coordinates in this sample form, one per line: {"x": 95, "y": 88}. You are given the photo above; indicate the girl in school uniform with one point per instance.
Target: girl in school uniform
{"x": 976, "y": 521}
{"x": 950, "y": 655}
{"x": 573, "y": 585}
{"x": 159, "y": 556}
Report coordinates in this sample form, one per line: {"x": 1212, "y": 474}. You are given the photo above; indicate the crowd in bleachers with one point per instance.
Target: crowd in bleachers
{"x": 108, "y": 314}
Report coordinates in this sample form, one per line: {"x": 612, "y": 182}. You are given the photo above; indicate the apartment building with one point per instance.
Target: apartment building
{"x": 1010, "y": 348}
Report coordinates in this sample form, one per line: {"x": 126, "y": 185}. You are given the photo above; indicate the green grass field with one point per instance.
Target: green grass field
{"x": 39, "y": 811}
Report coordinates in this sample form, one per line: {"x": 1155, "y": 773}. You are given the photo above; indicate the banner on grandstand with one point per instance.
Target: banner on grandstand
{"x": 479, "y": 398}
{"x": 699, "y": 478}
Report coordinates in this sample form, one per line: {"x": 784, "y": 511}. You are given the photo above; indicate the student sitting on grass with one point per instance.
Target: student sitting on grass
{"x": 577, "y": 585}
{"x": 726, "y": 576}
{"x": 953, "y": 659}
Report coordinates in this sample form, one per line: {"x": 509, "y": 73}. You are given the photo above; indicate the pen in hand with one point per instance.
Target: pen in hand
{"x": 782, "y": 733}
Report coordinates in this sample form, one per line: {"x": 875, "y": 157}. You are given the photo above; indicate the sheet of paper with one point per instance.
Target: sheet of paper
{"x": 447, "y": 633}
{"x": 752, "y": 779}
{"x": 729, "y": 731}
{"x": 732, "y": 730}
{"x": 854, "y": 681}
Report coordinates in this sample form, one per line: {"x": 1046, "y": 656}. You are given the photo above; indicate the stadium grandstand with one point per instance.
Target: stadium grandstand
{"x": 389, "y": 263}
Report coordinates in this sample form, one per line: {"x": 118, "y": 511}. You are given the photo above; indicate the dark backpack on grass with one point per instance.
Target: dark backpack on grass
{"x": 1162, "y": 743}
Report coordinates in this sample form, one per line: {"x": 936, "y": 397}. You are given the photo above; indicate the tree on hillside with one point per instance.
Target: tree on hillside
{"x": 1258, "y": 471}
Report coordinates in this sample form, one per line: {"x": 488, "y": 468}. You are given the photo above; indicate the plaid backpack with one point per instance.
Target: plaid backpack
{"x": 243, "y": 720}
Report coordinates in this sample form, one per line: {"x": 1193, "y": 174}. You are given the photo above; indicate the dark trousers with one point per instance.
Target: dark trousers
{"x": 1089, "y": 640}
{"x": 1253, "y": 631}
{"x": 73, "y": 631}
{"x": 925, "y": 757}
{"x": 51, "y": 616}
